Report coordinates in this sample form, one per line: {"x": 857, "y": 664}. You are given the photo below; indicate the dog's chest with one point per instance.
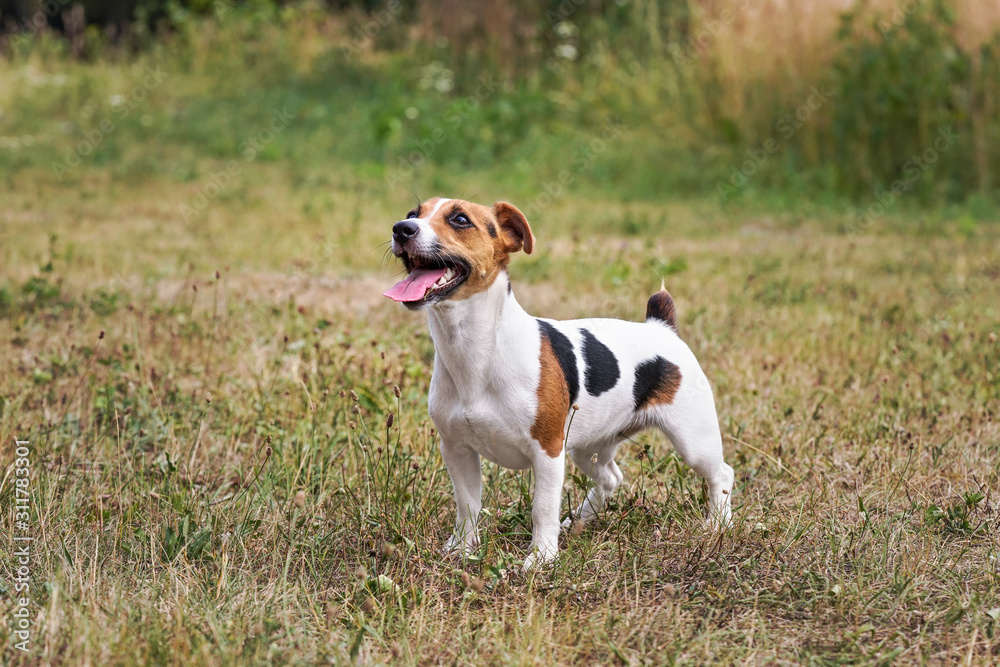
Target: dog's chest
{"x": 494, "y": 419}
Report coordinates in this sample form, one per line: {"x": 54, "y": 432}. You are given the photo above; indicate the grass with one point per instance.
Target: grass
{"x": 206, "y": 489}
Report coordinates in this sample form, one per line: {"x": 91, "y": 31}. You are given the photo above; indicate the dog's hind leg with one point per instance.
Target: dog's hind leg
{"x": 601, "y": 468}
{"x": 696, "y": 437}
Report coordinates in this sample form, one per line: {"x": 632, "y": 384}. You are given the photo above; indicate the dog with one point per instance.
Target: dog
{"x": 523, "y": 391}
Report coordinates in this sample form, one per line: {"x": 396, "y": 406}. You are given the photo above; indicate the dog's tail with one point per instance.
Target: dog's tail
{"x": 661, "y": 307}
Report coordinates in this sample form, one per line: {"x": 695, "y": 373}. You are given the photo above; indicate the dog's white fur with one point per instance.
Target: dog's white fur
{"x": 484, "y": 399}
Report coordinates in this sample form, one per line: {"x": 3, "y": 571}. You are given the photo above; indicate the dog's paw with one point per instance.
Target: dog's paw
{"x": 719, "y": 523}
{"x": 572, "y": 526}
{"x": 456, "y": 546}
{"x": 537, "y": 559}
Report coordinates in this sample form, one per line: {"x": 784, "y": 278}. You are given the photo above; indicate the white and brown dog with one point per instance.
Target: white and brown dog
{"x": 505, "y": 383}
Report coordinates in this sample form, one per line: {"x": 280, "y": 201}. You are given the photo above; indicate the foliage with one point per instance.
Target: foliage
{"x": 688, "y": 112}
{"x": 897, "y": 87}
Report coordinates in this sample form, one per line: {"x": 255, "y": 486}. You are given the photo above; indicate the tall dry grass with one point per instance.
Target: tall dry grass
{"x": 716, "y": 78}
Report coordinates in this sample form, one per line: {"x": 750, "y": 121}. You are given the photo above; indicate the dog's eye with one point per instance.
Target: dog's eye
{"x": 460, "y": 220}
{"x": 411, "y": 214}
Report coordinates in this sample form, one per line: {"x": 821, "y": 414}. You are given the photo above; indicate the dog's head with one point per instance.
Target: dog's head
{"x": 453, "y": 249}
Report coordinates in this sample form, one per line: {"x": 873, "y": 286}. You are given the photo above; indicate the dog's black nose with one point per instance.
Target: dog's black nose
{"x": 404, "y": 230}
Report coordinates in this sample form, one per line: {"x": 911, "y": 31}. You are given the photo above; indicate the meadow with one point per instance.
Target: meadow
{"x": 230, "y": 456}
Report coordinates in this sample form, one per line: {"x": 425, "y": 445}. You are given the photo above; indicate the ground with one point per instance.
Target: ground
{"x": 222, "y": 472}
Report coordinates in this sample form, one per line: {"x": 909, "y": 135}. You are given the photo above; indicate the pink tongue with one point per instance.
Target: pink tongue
{"x": 414, "y": 286}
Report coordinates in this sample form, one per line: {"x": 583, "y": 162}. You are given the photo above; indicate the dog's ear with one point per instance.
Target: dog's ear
{"x": 514, "y": 227}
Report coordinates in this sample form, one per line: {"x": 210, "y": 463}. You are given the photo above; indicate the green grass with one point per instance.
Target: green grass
{"x": 207, "y": 490}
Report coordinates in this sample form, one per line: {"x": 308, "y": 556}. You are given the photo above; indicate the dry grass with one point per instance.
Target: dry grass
{"x": 856, "y": 381}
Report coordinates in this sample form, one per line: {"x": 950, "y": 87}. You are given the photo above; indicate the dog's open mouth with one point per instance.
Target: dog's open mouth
{"x": 428, "y": 279}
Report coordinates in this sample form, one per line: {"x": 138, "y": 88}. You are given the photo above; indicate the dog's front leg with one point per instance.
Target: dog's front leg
{"x": 549, "y": 474}
{"x": 466, "y": 478}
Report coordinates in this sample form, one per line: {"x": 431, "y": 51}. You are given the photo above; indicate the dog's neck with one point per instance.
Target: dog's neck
{"x": 473, "y": 335}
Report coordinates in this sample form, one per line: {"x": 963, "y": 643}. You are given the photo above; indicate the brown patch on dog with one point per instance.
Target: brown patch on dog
{"x": 553, "y": 402}
{"x": 657, "y": 382}
{"x": 486, "y": 249}
{"x": 668, "y": 388}
{"x": 661, "y": 307}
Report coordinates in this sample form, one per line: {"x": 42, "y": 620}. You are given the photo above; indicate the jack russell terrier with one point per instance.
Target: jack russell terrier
{"x": 507, "y": 386}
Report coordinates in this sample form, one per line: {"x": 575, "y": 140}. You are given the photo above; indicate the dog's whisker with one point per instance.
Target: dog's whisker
{"x": 387, "y": 257}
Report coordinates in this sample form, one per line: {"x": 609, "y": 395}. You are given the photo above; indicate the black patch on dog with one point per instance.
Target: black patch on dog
{"x": 493, "y": 230}
{"x": 656, "y": 381}
{"x": 510, "y": 287}
{"x": 566, "y": 356}
{"x": 601, "y": 370}
{"x": 661, "y": 307}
